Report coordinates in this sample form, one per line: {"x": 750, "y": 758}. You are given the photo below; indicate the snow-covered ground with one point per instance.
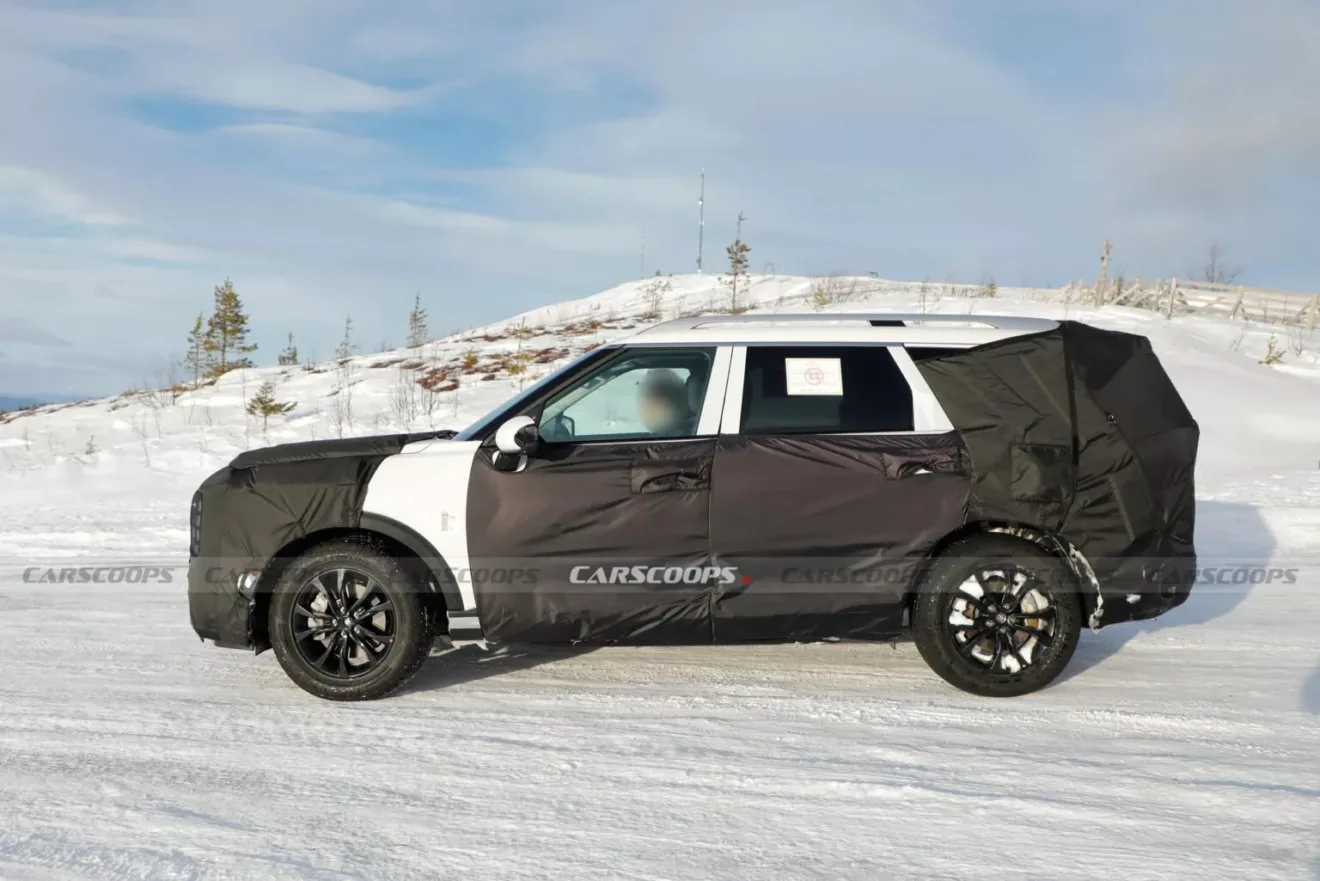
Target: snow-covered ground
{"x": 1187, "y": 747}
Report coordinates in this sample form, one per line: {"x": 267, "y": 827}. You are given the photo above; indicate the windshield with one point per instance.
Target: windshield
{"x": 513, "y": 405}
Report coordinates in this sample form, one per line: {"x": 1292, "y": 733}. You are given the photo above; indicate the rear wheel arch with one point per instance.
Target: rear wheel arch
{"x": 998, "y": 615}
{"x": 389, "y": 536}
{"x": 1055, "y": 545}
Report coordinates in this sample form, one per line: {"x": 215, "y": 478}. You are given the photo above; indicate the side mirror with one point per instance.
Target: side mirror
{"x": 557, "y": 429}
{"x": 517, "y": 436}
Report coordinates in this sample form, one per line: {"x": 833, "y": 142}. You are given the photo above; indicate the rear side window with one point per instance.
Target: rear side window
{"x": 823, "y": 390}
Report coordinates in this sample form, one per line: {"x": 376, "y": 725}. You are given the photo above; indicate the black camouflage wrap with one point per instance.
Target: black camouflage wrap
{"x": 264, "y": 501}
{"x": 1079, "y": 432}
{"x": 800, "y": 521}
{"x": 827, "y": 529}
{"x": 597, "y": 505}
{"x": 1076, "y": 434}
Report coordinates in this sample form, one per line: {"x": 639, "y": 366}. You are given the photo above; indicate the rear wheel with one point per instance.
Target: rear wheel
{"x": 997, "y": 616}
{"x": 348, "y": 622}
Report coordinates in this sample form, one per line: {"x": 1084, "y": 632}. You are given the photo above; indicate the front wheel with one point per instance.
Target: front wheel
{"x": 997, "y": 616}
{"x": 349, "y": 623}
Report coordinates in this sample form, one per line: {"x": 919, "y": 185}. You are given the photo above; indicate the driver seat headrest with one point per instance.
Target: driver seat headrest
{"x": 694, "y": 394}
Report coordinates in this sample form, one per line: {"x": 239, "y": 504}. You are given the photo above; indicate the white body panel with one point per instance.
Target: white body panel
{"x": 425, "y": 487}
{"x": 713, "y": 406}
{"x": 731, "y": 418}
{"x": 927, "y": 414}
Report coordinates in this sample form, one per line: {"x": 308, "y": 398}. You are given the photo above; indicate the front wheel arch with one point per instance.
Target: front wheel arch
{"x": 359, "y": 635}
{"x": 390, "y": 537}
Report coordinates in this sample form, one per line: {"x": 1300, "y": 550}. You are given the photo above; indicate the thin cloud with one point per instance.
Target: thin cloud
{"x": 1238, "y": 114}
{"x": 313, "y": 158}
{"x": 27, "y": 191}
{"x": 18, "y": 329}
{"x": 301, "y": 139}
{"x": 259, "y": 84}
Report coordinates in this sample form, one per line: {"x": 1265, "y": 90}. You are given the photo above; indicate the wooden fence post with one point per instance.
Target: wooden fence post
{"x": 1102, "y": 282}
{"x": 1173, "y": 294}
{"x": 1315, "y": 308}
{"x": 1237, "y": 306}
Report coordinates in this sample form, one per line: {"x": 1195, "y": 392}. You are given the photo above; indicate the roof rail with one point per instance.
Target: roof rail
{"x": 874, "y": 319}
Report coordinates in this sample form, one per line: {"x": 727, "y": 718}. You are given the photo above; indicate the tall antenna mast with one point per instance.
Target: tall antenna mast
{"x": 701, "y": 219}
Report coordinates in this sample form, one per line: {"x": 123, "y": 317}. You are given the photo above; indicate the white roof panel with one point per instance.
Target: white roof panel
{"x": 915, "y": 329}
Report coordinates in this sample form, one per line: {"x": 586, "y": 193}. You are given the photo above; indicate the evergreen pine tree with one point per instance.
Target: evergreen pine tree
{"x": 737, "y": 252}
{"x": 346, "y": 348}
{"x": 197, "y": 360}
{"x": 418, "y": 333}
{"x": 265, "y": 404}
{"x": 227, "y": 330}
{"x": 290, "y": 354}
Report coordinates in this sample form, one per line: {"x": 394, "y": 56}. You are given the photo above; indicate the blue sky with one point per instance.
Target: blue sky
{"x": 338, "y": 156}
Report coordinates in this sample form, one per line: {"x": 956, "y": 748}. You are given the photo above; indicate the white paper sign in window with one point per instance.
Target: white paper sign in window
{"x": 813, "y": 376}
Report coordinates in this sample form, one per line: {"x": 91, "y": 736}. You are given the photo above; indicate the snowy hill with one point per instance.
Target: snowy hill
{"x": 1183, "y": 747}
{"x": 13, "y": 403}
{"x": 452, "y": 381}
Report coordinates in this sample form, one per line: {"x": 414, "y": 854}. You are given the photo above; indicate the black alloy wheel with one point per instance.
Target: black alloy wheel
{"x": 998, "y": 616}
{"x": 351, "y": 621}
{"x": 343, "y": 623}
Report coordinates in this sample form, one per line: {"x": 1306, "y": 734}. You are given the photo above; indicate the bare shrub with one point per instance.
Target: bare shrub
{"x": 653, "y": 297}
{"x": 406, "y": 398}
{"x": 341, "y": 403}
{"x": 151, "y": 398}
{"x": 143, "y": 435}
{"x": 927, "y": 299}
{"x": 831, "y": 290}
{"x": 1216, "y": 269}
{"x": 1299, "y": 338}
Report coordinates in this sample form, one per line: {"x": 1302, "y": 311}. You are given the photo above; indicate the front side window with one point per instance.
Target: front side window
{"x": 824, "y": 390}
{"x": 487, "y": 423}
{"x": 645, "y": 393}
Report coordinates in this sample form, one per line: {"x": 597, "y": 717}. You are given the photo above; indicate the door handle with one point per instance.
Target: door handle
{"x": 899, "y": 469}
{"x": 657, "y": 477}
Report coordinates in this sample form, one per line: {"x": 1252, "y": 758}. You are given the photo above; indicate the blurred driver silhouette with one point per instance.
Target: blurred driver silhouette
{"x": 664, "y": 404}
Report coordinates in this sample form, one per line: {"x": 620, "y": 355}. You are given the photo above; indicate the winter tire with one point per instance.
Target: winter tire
{"x": 349, "y": 623}
{"x": 997, "y": 616}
